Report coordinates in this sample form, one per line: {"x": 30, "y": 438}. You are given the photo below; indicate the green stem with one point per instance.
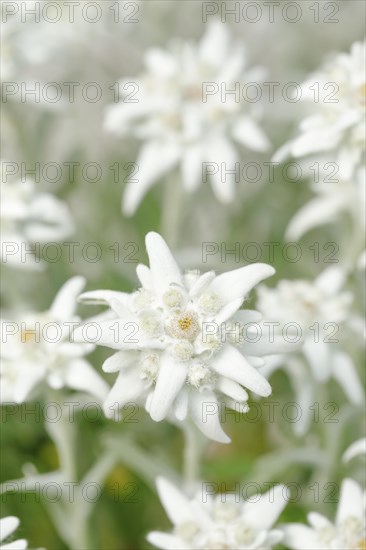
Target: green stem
{"x": 191, "y": 454}
{"x": 171, "y": 215}
{"x": 147, "y": 466}
{"x": 63, "y": 434}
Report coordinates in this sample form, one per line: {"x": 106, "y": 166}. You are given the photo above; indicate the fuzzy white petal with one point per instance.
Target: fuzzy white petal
{"x": 301, "y": 537}
{"x": 164, "y": 269}
{"x": 166, "y": 541}
{"x": 223, "y": 154}
{"x": 80, "y": 375}
{"x": 247, "y": 132}
{"x": 176, "y": 505}
{"x": 318, "y": 521}
{"x": 181, "y": 405}
{"x": 263, "y": 513}
{"x": 156, "y": 158}
{"x": 144, "y": 276}
{"x": 204, "y": 409}
{"x": 127, "y": 388}
{"x": 120, "y": 360}
{"x": 319, "y": 211}
{"x": 20, "y": 544}
{"x": 357, "y": 448}
{"x": 64, "y": 304}
{"x": 232, "y": 364}
{"x": 345, "y": 372}
{"x": 192, "y": 167}
{"x": 237, "y": 283}
{"x": 351, "y": 501}
{"x": 7, "y": 526}
{"x": 172, "y": 375}
{"x": 232, "y": 389}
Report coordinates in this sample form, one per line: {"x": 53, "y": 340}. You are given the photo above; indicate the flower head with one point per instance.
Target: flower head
{"x": 337, "y": 122}
{"x": 315, "y": 310}
{"x": 182, "y": 356}
{"x": 183, "y": 116}
{"x": 221, "y": 523}
{"x": 27, "y": 216}
{"x": 347, "y": 532}
{"x": 38, "y": 349}
{"x": 306, "y": 302}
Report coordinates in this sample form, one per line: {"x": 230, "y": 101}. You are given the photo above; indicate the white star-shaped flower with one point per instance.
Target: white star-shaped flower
{"x": 337, "y": 122}
{"x": 223, "y": 522}
{"x": 7, "y": 527}
{"x": 181, "y": 341}
{"x": 316, "y": 310}
{"x": 182, "y": 117}
{"x": 37, "y": 349}
{"x": 348, "y": 532}
{"x": 28, "y": 216}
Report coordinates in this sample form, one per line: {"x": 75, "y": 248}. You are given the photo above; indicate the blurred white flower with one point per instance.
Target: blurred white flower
{"x": 317, "y": 310}
{"x": 219, "y": 523}
{"x": 348, "y": 532}
{"x": 181, "y": 341}
{"x": 183, "y": 126}
{"x": 28, "y": 216}
{"x": 337, "y": 122}
{"x": 6, "y": 58}
{"x": 32, "y": 38}
{"x": 332, "y": 200}
{"x": 7, "y": 527}
{"x": 37, "y": 349}
{"x": 357, "y": 448}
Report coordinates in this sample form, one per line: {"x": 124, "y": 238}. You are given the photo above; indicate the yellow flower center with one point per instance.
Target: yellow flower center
{"x": 361, "y": 545}
{"x": 184, "y": 326}
{"x": 28, "y": 337}
{"x": 185, "y": 322}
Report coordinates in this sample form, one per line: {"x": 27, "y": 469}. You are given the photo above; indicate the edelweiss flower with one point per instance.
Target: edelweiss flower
{"x": 180, "y": 340}
{"x": 37, "y": 349}
{"x": 338, "y": 120}
{"x": 316, "y": 309}
{"x": 7, "y": 527}
{"x": 221, "y": 523}
{"x": 178, "y": 126}
{"x": 29, "y": 217}
{"x": 348, "y": 532}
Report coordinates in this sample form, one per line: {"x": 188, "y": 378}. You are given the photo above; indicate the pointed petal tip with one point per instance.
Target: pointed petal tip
{"x": 156, "y": 414}
{"x": 162, "y": 483}
{"x": 224, "y": 439}
{"x": 153, "y": 237}
{"x": 267, "y": 390}
{"x": 268, "y": 270}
